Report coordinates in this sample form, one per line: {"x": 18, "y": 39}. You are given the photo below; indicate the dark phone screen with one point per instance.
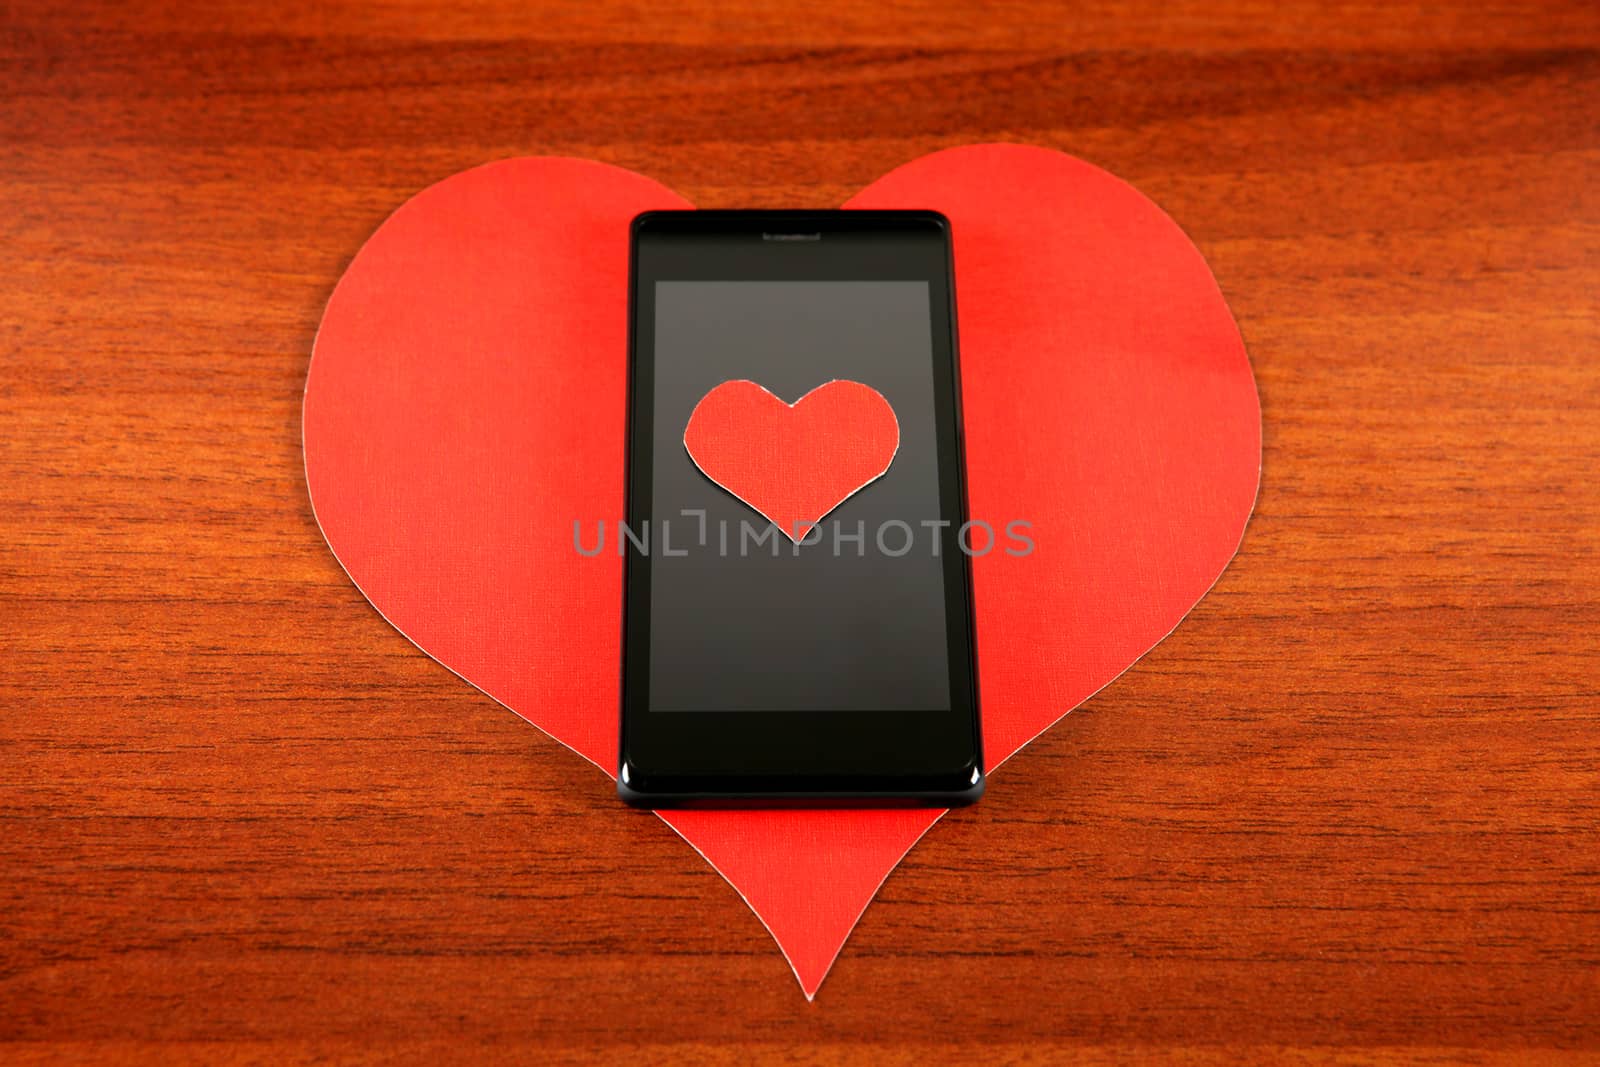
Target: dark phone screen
{"x": 745, "y": 620}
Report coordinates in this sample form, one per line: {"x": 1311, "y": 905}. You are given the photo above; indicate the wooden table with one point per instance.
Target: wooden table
{"x": 1350, "y": 809}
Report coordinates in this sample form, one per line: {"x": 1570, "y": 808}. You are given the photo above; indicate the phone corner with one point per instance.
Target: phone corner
{"x": 641, "y": 221}
{"x": 933, "y": 218}
{"x": 644, "y": 219}
{"x": 972, "y": 790}
{"x": 627, "y": 786}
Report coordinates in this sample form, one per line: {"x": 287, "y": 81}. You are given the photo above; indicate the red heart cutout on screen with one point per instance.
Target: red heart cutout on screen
{"x": 796, "y": 462}
{"x": 465, "y": 408}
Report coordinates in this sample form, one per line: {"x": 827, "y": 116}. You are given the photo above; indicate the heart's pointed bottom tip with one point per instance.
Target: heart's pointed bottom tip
{"x": 812, "y": 897}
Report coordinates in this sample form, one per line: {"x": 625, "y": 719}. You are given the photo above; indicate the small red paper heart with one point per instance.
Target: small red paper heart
{"x": 793, "y": 463}
{"x": 465, "y": 406}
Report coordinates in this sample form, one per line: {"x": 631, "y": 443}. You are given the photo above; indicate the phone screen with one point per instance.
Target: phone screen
{"x": 742, "y": 618}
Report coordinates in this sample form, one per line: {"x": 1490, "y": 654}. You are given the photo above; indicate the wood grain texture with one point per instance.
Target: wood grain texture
{"x": 1349, "y": 810}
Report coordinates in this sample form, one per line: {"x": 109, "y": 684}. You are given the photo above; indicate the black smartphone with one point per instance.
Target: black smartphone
{"x": 780, "y": 648}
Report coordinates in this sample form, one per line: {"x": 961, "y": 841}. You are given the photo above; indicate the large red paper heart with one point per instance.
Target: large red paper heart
{"x": 796, "y": 462}
{"x": 464, "y": 408}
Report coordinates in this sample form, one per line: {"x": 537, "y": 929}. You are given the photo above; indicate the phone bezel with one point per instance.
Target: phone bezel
{"x": 825, "y": 756}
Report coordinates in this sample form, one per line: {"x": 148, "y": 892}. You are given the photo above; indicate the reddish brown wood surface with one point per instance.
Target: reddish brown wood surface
{"x": 1350, "y": 809}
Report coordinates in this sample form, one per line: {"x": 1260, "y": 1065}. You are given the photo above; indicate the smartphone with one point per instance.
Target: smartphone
{"x": 782, "y": 647}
